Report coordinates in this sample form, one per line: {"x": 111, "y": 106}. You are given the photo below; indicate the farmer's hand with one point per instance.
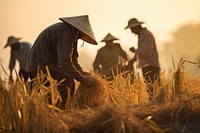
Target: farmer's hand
{"x": 132, "y": 49}
{"x": 86, "y": 74}
{"x": 88, "y": 80}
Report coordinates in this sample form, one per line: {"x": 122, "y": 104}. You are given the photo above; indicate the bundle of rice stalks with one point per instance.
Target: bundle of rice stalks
{"x": 115, "y": 119}
{"x": 182, "y": 116}
{"x": 180, "y": 85}
{"x": 179, "y": 81}
{"x": 93, "y": 96}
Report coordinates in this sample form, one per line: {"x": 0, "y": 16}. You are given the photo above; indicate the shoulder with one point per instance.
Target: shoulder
{"x": 117, "y": 45}
{"x": 148, "y": 32}
{"x": 101, "y": 50}
{"x": 25, "y": 45}
{"x": 55, "y": 30}
{"x": 56, "y": 27}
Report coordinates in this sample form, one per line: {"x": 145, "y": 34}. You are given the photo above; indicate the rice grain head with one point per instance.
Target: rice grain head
{"x": 179, "y": 82}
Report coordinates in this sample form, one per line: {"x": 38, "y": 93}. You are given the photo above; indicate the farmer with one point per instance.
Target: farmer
{"x": 56, "y": 47}
{"x": 146, "y": 52}
{"x": 19, "y": 51}
{"x": 107, "y": 57}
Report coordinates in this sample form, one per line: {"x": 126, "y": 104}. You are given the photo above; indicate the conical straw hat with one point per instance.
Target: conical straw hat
{"x": 11, "y": 40}
{"x": 133, "y": 23}
{"x": 82, "y": 23}
{"x": 109, "y": 37}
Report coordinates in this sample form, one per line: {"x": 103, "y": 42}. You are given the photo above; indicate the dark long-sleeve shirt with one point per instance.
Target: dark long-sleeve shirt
{"x": 56, "y": 47}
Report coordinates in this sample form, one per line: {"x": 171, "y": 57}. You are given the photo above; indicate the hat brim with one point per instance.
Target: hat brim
{"x": 109, "y": 37}
{"x": 109, "y": 40}
{"x": 88, "y": 39}
{"x": 82, "y": 23}
{"x": 134, "y": 25}
{"x": 11, "y": 43}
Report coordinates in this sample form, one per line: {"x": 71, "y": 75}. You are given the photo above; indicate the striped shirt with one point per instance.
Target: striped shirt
{"x": 147, "y": 51}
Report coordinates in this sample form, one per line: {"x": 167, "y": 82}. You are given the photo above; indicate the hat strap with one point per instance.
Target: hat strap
{"x": 75, "y": 34}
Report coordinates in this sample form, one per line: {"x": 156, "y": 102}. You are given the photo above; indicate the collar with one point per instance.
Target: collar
{"x": 142, "y": 32}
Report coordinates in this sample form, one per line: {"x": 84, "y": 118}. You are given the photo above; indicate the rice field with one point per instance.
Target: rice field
{"x": 119, "y": 106}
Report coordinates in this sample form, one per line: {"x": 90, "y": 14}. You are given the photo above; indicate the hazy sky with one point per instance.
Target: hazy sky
{"x": 27, "y": 18}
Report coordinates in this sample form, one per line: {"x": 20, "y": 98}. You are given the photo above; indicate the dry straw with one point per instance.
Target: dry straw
{"x": 181, "y": 87}
{"x": 95, "y": 95}
{"x": 111, "y": 120}
{"x": 29, "y": 113}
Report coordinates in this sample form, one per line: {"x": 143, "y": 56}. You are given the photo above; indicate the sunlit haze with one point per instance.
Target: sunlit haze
{"x": 27, "y": 18}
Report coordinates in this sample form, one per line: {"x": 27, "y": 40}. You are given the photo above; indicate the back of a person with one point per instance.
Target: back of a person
{"x": 22, "y": 54}
{"x": 152, "y": 58}
{"x": 44, "y": 50}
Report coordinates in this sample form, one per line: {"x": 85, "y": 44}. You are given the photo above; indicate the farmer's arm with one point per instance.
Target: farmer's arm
{"x": 65, "y": 53}
{"x": 75, "y": 60}
{"x": 122, "y": 53}
{"x": 97, "y": 61}
{"x": 12, "y": 62}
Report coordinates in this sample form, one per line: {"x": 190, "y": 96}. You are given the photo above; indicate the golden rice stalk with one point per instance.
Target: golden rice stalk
{"x": 95, "y": 95}
{"x": 179, "y": 77}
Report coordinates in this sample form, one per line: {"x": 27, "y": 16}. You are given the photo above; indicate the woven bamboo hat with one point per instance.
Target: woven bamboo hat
{"x": 109, "y": 37}
{"x": 133, "y": 23}
{"x": 11, "y": 40}
{"x": 82, "y": 23}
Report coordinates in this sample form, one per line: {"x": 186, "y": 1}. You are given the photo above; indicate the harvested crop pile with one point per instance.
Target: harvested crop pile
{"x": 95, "y": 95}
{"x": 182, "y": 117}
{"x": 112, "y": 119}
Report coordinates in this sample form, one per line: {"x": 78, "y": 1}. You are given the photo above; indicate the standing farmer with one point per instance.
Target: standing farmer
{"x": 19, "y": 51}
{"x": 107, "y": 57}
{"x": 56, "y": 47}
{"x": 146, "y": 52}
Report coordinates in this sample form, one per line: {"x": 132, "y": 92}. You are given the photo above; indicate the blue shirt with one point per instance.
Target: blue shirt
{"x": 20, "y": 55}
